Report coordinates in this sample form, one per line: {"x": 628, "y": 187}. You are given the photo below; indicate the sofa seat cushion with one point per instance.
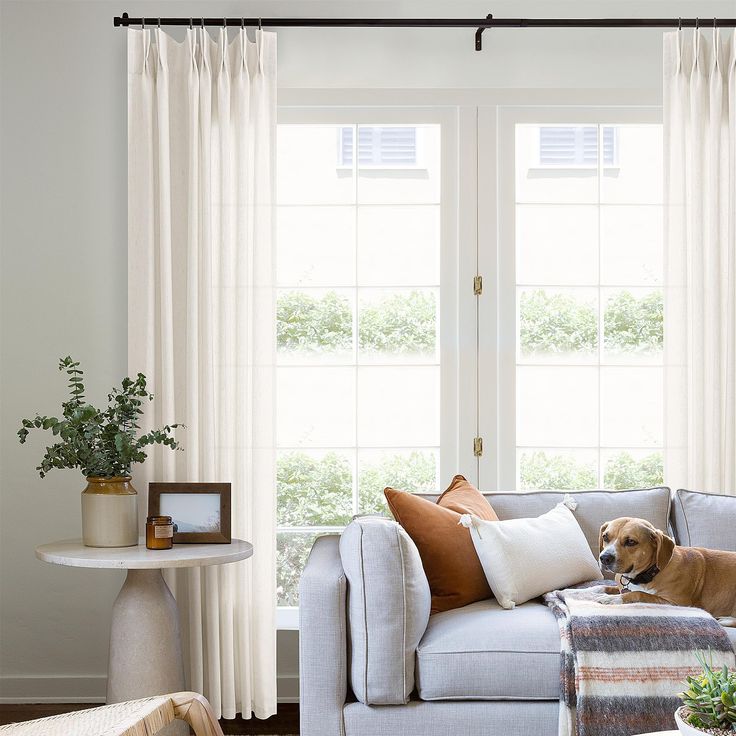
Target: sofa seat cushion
{"x": 484, "y": 652}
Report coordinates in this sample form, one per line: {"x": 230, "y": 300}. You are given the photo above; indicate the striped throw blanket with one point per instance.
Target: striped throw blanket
{"x": 623, "y": 665}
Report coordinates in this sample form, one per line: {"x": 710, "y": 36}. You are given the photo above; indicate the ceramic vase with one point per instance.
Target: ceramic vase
{"x": 109, "y": 512}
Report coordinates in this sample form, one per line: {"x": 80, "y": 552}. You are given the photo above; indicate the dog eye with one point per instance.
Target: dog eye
{"x": 605, "y": 538}
{"x": 630, "y": 543}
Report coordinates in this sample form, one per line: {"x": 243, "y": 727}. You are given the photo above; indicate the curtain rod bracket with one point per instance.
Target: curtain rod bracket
{"x": 479, "y": 34}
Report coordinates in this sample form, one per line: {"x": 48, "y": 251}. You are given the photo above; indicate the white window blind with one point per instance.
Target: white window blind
{"x": 561, "y": 145}
{"x": 393, "y": 147}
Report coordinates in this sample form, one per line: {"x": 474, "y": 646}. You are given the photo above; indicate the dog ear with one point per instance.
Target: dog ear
{"x": 600, "y": 536}
{"x": 665, "y": 548}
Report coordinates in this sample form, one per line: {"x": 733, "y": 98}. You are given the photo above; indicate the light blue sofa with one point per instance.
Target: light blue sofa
{"x": 373, "y": 662}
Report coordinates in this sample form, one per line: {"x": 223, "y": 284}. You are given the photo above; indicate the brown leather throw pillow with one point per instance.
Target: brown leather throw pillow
{"x": 455, "y": 575}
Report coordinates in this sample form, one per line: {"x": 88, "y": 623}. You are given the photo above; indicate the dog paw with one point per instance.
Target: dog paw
{"x": 609, "y": 600}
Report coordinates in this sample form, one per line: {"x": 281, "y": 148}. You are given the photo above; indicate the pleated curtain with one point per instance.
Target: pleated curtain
{"x": 201, "y": 156}
{"x": 700, "y": 259}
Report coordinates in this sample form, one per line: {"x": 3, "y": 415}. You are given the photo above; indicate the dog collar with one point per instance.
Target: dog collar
{"x": 643, "y": 577}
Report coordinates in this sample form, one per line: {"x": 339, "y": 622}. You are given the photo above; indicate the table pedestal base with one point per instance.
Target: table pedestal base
{"x": 145, "y": 647}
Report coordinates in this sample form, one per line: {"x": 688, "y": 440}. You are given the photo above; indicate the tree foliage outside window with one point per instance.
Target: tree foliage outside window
{"x": 400, "y": 324}
{"x": 634, "y": 324}
{"x": 625, "y": 471}
{"x": 314, "y": 491}
{"x": 292, "y": 550}
{"x": 559, "y": 323}
{"x": 538, "y": 470}
{"x": 556, "y": 323}
{"x": 416, "y": 472}
{"x": 314, "y": 323}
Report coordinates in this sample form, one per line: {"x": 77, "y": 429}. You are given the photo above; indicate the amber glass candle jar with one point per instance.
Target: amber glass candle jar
{"x": 159, "y": 532}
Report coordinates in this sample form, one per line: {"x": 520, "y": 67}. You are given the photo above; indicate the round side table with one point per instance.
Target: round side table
{"x": 145, "y": 646}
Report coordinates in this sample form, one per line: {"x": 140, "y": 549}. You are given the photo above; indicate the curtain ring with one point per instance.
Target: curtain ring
{"x": 242, "y": 23}
{"x": 143, "y": 24}
{"x": 714, "y": 24}
{"x": 679, "y": 24}
{"x": 260, "y": 27}
{"x": 697, "y": 24}
{"x": 202, "y": 23}
{"x": 191, "y": 23}
{"x": 224, "y": 22}
{"x": 159, "y": 24}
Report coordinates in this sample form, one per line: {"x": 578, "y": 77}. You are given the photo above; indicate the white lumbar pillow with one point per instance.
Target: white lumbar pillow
{"x": 523, "y": 558}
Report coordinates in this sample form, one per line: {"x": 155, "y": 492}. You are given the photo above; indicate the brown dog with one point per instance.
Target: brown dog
{"x": 650, "y": 568}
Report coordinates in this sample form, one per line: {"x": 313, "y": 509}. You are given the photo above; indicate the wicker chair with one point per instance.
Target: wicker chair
{"x": 144, "y": 717}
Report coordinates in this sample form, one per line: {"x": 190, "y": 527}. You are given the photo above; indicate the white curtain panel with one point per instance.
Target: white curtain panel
{"x": 700, "y": 259}
{"x": 201, "y": 157}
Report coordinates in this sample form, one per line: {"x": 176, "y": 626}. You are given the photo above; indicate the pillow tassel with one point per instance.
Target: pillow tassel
{"x": 466, "y": 520}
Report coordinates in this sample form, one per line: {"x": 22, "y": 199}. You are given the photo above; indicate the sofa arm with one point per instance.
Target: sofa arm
{"x": 323, "y": 648}
{"x": 388, "y": 609}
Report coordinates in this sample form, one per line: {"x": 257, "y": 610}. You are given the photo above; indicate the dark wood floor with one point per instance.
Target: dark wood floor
{"x": 286, "y": 721}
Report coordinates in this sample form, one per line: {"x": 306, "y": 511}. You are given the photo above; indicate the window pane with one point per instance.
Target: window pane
{"x": 358, "y": 271}
{"x": 398, "y": 407}
{"x": 545, "y": 469}
{"x": 308, "y": 166}
{"x": 314, "y": 326}
{"x": 557, "y": 325}
{"x": 397, "y": 326}
{"x": 632, "y": 469}
{"x": 557, "y": 407}
{"x": 408, "y": 470}
{"x": 631, "y": 245}
{"x": 315, "y": 407}
{"x": 637, "y": 178}
{"x": 316, "y": 246}
{"x": 588, "y": 273}
{"x": 411, "y": 184}
{"x": 314, "y": 488}
{"x": 292, "y": 550}
{"x": 633, "y": 325}
{"x": 399, "y": 245}
{"x": 537, "y": 182}
{"x": 631, "y": 407}
{"x": 557, "y": 244}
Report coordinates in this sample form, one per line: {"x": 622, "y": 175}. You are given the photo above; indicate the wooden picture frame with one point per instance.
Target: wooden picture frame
{"x": 167, "y": 498}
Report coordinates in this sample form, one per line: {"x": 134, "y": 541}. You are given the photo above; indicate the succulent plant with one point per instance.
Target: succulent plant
{"x": 710, "y": 698}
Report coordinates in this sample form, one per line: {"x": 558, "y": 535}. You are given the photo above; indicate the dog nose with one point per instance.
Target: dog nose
{"x": 607, "y": 558}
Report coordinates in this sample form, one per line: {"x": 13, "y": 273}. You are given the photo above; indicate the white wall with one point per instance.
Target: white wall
{"x": 63, "y": 243}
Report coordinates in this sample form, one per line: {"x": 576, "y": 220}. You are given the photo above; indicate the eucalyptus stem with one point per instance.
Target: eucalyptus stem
{"x": 100, "y": 442}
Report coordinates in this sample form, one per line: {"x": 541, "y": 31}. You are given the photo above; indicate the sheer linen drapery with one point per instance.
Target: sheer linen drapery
{"x": 700, "y": 259}
{"x": 201, "y": 160}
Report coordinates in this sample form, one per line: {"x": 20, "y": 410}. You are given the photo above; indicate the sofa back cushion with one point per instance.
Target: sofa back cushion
{"x": 704, "y": 520}
{"x": 388, "y": 609}
{"x": 593, "y": 507}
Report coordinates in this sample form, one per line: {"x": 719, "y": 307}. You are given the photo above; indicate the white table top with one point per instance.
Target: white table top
{"x": 73, "y": 553}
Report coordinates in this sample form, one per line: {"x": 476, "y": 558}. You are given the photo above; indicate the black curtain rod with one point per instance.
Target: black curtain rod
{"x": 480, "y": 24}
